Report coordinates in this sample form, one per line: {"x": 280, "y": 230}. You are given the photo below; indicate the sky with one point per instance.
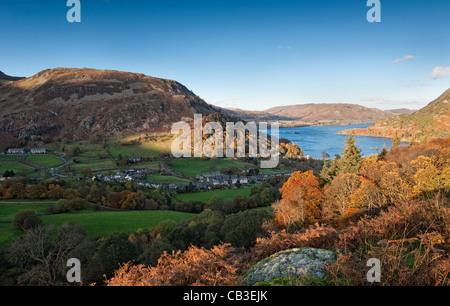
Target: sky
{"x": 245, "y": 54}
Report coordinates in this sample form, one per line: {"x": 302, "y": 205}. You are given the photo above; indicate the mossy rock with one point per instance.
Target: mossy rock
{"x": 292, "y": 263}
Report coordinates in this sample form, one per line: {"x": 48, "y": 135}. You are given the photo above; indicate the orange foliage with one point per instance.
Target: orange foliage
{"x": 194, "y": 267}
{"x": 301, "y": 196}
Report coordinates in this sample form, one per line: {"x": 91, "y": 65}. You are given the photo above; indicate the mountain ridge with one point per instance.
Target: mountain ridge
{"x": 79, "y": 103}
{"x": 430, "y": 122}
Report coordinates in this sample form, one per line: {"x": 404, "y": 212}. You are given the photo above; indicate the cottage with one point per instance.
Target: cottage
{"x": 16, "y": 151}
{"x": 38, "y": 151}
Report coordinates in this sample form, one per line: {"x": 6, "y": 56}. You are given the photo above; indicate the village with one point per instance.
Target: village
{"x": 206, "y": 181}
{"x": 143, "y": 177}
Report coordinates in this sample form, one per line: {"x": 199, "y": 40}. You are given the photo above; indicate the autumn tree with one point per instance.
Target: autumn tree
{"x": 301, "y": 198}
{"x": 338, "y": 195}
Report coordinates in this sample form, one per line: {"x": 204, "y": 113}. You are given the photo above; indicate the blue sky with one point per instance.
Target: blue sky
{"x": 245, "y": 54}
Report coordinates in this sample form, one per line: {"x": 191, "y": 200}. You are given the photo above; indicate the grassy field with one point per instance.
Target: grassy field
{"x": 94, "y": 165}
{"x": 95, "y": 223}
{"x": 165, "y": 179}
{"x": 9, "y": 208}
{"x": 18, "y": 168}
{"x": 205, "y": 196}
{"x": 8, "y": 233}
{"x": 9, "y": 157}
{"x": 197, "y": 166}
{"x": 46, "y": 161}
{"x": 140, "y": 145}
{"x": 108, "y": 222}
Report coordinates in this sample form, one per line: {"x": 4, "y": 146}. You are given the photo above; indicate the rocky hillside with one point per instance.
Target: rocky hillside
{"x": 432, "y": 121}
{"x": 81, "y": 103}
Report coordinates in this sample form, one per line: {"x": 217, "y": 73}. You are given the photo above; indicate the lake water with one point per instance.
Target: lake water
{"x": 317, "y": 139}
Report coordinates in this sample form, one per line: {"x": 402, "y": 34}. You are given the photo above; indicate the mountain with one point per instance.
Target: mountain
{"x": 314, "y": 114}
{"x": 4, "y": 77}
{"x": 400, "y": 111}
{"x": 432, "y": 121}
{"x": 77, "y": 104}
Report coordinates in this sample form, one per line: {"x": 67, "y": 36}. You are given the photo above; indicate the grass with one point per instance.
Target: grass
{"x": 8, "y": 234}
{"x": 197, "y": 166}
{"x": 108, "y": 222}
{"x": 9, "y": 157}
{"x": 18, "y": 168}
{"x": 166, "y": 179}
{"x": 95, "y": 223}
{"x": 9, "y": 208}
{"x": 94, "y": 165}
{"x": 140, "y": 145}
{"x": 46, "y": 161}
{"x": 205, "y": 196}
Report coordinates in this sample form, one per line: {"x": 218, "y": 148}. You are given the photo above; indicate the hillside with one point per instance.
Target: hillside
{"x": 432, "y": 121}
{"x": 314, "y": 114}
{"x": 80, "y": 103}
{"x": 5, "y": 78}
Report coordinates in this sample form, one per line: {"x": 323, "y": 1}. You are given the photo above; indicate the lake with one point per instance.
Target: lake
{"x": 317, "y": 139}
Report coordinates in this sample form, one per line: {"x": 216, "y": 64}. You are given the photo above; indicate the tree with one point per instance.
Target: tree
{"x": 351, "y": 158}
{"x": 383, "y": 152}
{"x": 20, "y": 219}
{"x": 338, "y": 201}
{"x": 329, "y": 173}
{"x": 112, "y": 251}
{"x": 242, "y": 229}
{"x": 43, "y": 252}
{"x": 397, "y": 141}
{"x": 301, "y": 198}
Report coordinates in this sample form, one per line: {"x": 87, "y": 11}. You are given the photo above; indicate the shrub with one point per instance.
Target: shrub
{"x": 19, "y": 218}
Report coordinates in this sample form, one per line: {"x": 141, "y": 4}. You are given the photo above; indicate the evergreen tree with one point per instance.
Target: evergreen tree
{"x": 351, "y": 159}
{"x": 397, "y": 141}
{"x": 383, "y": 153}
{"x": 329, "y": 173}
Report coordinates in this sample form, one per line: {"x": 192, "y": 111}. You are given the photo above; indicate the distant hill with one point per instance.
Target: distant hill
{"x": 314, "y": 114}
{"x": 4, "y": 77}
{"x": 432, "y": 121}
{"x": 400, "y": 111}
{"x": 80, "y": 103}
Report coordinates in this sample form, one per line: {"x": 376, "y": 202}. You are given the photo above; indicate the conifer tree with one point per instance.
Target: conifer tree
{"x": 351, "y": 159}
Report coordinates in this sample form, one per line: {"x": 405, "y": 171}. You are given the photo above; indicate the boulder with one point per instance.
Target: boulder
{"x": 293, "y": 263}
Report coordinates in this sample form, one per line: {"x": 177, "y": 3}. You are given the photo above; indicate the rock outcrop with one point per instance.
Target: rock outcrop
{"x": 294, "y": 263}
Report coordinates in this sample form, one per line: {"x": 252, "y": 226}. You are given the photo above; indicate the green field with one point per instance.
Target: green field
{"x": 108, "y": 222}
{"x": 197, "y": 166}
{"x": 95, "y": 223}
{"x": 9, "y": 208}
{"x": 205, "y": 196}
{"x": 138, "y": 145}
{"x": 9, "y": 157}
{"x": 8, "y": 233}
{"x": 94, "y": 165}
{"x": 46, "y": 161}
{"x": 18, "y": 168}
{"x": 166, "y": 179}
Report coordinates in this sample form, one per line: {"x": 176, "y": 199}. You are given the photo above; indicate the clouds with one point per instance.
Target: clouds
{"x": 439, "y": 72}
{"x": 405, "y": 58}
{"x": 289, "y": 48}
